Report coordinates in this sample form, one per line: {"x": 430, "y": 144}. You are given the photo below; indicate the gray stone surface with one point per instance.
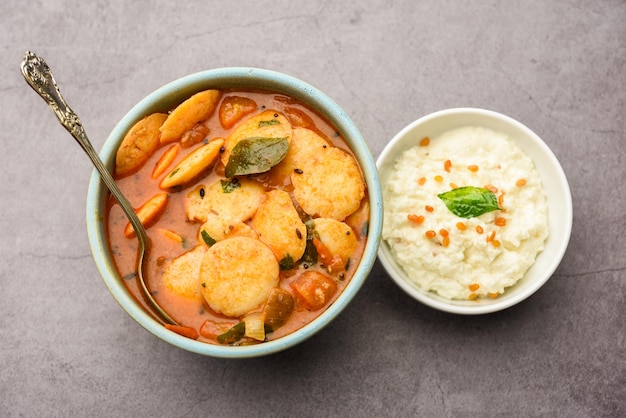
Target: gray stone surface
{"x": 68, "y": 349}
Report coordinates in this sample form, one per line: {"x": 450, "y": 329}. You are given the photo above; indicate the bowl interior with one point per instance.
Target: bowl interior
{"x": 554, "y": 182}
{"x": 174, "y": 93}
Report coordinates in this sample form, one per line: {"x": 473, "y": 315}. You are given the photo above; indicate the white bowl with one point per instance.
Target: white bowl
{"x": 559, "y": 203}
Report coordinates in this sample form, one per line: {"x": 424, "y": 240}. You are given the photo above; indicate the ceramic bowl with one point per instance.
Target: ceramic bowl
{"x": 559, "y": 204}
{"x": 174, "y": 93}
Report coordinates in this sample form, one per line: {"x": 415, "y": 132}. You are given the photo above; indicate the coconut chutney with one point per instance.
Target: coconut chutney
{"x": 470, "y": 257}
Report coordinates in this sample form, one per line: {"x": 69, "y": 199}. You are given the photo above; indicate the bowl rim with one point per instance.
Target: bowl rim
{"x": 560, "y": 246}
{"x": 173, "y": 93}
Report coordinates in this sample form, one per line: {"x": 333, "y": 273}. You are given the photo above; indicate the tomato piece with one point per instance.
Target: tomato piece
{"x": 278, "y": 307}
{"x": 314, "y": 289}
{"x": 233, "y": 108}
{"x": 211, "y": 329}
{"x": 195, "y": 135}
{"x": 299, "y": 118}
{"x": 332, "y": 261}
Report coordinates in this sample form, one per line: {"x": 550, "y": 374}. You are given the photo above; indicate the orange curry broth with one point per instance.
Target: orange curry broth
{"x": 139, "y": 187}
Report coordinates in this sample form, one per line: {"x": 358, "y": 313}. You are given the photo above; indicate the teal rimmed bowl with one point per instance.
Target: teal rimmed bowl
{"x": 174, "y": 93}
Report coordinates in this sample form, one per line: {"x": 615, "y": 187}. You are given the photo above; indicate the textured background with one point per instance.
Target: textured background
{"x": 68, "y": 349}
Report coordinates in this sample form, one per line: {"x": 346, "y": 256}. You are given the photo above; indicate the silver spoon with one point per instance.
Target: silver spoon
{"x": 39, "y": 77}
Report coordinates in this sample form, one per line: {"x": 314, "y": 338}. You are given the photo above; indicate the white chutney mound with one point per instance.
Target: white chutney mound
{"x": 481, "y": 256}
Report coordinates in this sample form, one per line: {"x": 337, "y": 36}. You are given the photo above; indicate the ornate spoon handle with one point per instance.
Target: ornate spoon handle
{"x": 39, "y": 77}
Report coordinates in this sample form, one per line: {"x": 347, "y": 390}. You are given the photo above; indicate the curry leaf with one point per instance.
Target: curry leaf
{"x": 229, "y": 186}
{"x": 207, "y": 238}
{"x": 310, "y": 253}
{"x": 232, "y": 335}
{"x": 470, "y": 201}
{"x": 270, "y": 122}
{"x": 286, "y": 263}
{"x": 256, "y": 155}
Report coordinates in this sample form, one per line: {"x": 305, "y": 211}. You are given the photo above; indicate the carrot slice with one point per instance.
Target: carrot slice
{"x": 165, "y": 160}
{"x": 184, "y": 331}
{"x": 148, "y": 213}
